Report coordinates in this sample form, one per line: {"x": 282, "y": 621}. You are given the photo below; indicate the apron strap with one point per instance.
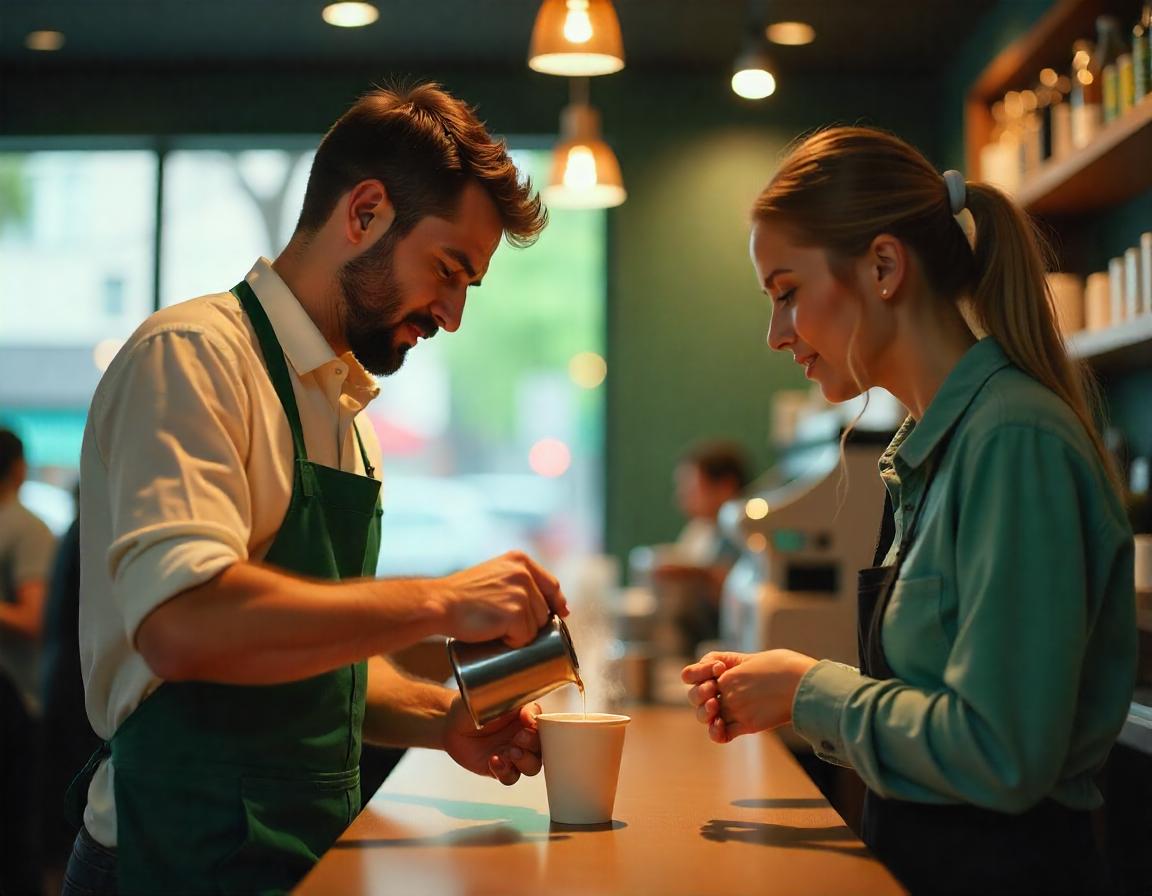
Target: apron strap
{"x": 274, "y": 358}
{"x": 887, "y": 531}
{"x": 369, "y": 470}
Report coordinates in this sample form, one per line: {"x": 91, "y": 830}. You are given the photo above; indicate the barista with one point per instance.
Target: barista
{"x": 997, "y": 631}
{"x": 232, "y": 637}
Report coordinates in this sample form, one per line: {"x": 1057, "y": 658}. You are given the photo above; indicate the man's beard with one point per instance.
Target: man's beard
{"x": 372, "y": 301}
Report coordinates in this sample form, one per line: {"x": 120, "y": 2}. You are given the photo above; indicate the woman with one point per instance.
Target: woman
{"x": 997, "y": 627}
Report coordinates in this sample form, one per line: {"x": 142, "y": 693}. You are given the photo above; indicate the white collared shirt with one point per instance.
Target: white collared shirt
{"x": 187, "y": 468}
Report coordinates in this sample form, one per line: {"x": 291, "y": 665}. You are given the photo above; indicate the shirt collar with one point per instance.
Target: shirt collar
{"x": 916, "y": 441}
{"x": 304, "y": 345}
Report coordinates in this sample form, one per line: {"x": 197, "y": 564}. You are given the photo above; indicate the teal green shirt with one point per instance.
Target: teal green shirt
{"x": 1011, "y": 628}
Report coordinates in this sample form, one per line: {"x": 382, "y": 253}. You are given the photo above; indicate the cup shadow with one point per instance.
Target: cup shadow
{"x": 782, "y": 803}
{"x": 506, "y": 825}
{"x": 836, "y": 839}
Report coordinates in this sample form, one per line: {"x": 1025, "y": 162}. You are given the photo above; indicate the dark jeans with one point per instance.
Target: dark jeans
{"x": 91, "y": 868}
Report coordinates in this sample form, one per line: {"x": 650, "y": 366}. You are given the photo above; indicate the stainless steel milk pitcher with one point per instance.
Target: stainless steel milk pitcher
{"x": 495, "y": 678}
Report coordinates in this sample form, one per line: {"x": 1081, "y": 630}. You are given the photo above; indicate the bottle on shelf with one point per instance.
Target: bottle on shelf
{"x": 1086, "y": 96}
{"x": 1104, "y": 65}
{"x": 1058, "y": 113}
{"x": 1142, "y": 54}
{"x": 1031, "y": 132}
{"x": 1000, "y": 157}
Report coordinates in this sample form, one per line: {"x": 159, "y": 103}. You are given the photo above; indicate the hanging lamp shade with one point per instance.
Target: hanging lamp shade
{"x": 585, "y": 173}
{"x": 576, "y": 38}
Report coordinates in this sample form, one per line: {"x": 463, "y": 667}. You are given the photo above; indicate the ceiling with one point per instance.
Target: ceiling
{"x": 853, "y": 36}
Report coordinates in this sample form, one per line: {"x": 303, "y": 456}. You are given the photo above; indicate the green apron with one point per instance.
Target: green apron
{"x": 240, "y": 789}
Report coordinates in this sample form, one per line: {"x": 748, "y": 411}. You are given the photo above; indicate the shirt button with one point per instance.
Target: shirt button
{"x": 827, "y": 746}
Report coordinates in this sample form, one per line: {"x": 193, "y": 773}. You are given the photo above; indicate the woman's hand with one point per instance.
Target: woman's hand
{"x": 742, "y": 693}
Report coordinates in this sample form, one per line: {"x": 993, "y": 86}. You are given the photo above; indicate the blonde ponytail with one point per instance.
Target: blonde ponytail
{"x": 1011, "y": 301}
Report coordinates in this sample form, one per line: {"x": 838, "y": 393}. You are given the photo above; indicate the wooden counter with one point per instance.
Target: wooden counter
{"x": 691, "y": 817}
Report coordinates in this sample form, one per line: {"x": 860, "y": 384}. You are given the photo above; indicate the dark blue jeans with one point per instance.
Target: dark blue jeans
{"x": 91, "y": 868}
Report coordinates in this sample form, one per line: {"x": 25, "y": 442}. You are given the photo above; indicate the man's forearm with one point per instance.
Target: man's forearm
{"x": 256, "y": 625}
{"x": 403, "y": 711}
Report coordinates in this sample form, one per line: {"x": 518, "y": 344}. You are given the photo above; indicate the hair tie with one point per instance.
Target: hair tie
{"x": 957, "y": 191}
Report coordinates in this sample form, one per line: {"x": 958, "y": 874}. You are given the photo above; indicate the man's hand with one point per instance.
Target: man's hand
{"x": 742, "y": 693}
{"x": 509, "y": 597}
{"x": 505, "y": 748}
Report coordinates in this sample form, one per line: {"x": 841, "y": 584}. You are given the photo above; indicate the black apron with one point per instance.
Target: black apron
{"x": 961, "y": 848}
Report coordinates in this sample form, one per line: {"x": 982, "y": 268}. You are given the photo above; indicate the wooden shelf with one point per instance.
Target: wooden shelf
{"x": 1116, "y": 166}
{"x": 1127, "y": 345}
{"x": 1113, "y": 168}
{"x": 1048, "y": 44}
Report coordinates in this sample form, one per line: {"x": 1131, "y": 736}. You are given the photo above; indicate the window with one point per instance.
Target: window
{"x": 490, "y": 440}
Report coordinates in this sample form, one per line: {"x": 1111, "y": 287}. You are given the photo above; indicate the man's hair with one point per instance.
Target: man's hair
{"x": 11, "y": 452}
{"x": 718, "y": 461}
{"x": 424, "y": 145}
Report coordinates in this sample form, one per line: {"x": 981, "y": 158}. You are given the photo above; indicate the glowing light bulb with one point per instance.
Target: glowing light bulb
{"x": 577, "y": 24}
{"x": 350, "y": 15}
{"x": 753, "y": 83}
{"x": 580, "y": 171}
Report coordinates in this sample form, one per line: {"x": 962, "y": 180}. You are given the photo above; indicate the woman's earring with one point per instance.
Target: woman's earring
{"x": 884, "y": 293}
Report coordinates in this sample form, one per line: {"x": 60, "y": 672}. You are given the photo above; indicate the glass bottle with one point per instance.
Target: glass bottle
{"x": 1085, "y": 97}
{"x": 1060, "y": 112}
{"x": 1103, "y": 65}
{"x": 1142, "y": 54}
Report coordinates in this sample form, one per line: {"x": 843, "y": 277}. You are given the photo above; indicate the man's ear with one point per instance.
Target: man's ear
{"x": 368, "y": 213}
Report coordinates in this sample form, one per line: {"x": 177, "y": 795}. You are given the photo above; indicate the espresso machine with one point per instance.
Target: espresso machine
{"x": 804, "y": 528}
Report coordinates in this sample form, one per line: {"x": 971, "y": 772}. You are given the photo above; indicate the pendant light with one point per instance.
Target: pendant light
{"x": 585, "y": 173}
{"x": 576, "y": 38}
{"x": 752, "y": 74}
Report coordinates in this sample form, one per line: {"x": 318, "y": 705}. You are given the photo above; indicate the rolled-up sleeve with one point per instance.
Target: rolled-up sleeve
{"x": 996, "y": 732}
{"x": 173, "y": 433}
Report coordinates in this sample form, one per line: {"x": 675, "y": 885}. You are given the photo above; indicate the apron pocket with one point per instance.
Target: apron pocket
{"x": 288, "y": 824}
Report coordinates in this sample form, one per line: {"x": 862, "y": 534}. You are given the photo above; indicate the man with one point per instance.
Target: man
{"x": 26, "y": 550}
{"x": 227, "y": 486}
{"x": 707, "y": 476}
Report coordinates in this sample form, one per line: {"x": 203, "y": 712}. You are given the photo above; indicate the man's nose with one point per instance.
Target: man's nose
{"x": 448, "y": 310}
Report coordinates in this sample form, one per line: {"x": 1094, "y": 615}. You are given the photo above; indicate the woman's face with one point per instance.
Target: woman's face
{"x": 814, "y": 315}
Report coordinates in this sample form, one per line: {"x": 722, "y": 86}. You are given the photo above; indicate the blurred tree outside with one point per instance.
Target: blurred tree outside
{"x": 14, "y": 190}
{"x": 536, "y": 309}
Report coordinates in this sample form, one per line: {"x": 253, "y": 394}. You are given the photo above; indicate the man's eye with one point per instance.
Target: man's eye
{"x": 442, "y": 269}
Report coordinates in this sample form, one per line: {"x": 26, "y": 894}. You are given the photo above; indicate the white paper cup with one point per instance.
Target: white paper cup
{"x": 581, "y": 764}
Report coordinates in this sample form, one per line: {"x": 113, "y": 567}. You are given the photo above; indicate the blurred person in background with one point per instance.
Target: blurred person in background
{"x": 707, "y": 476}
{"x": 26, "y": 550}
